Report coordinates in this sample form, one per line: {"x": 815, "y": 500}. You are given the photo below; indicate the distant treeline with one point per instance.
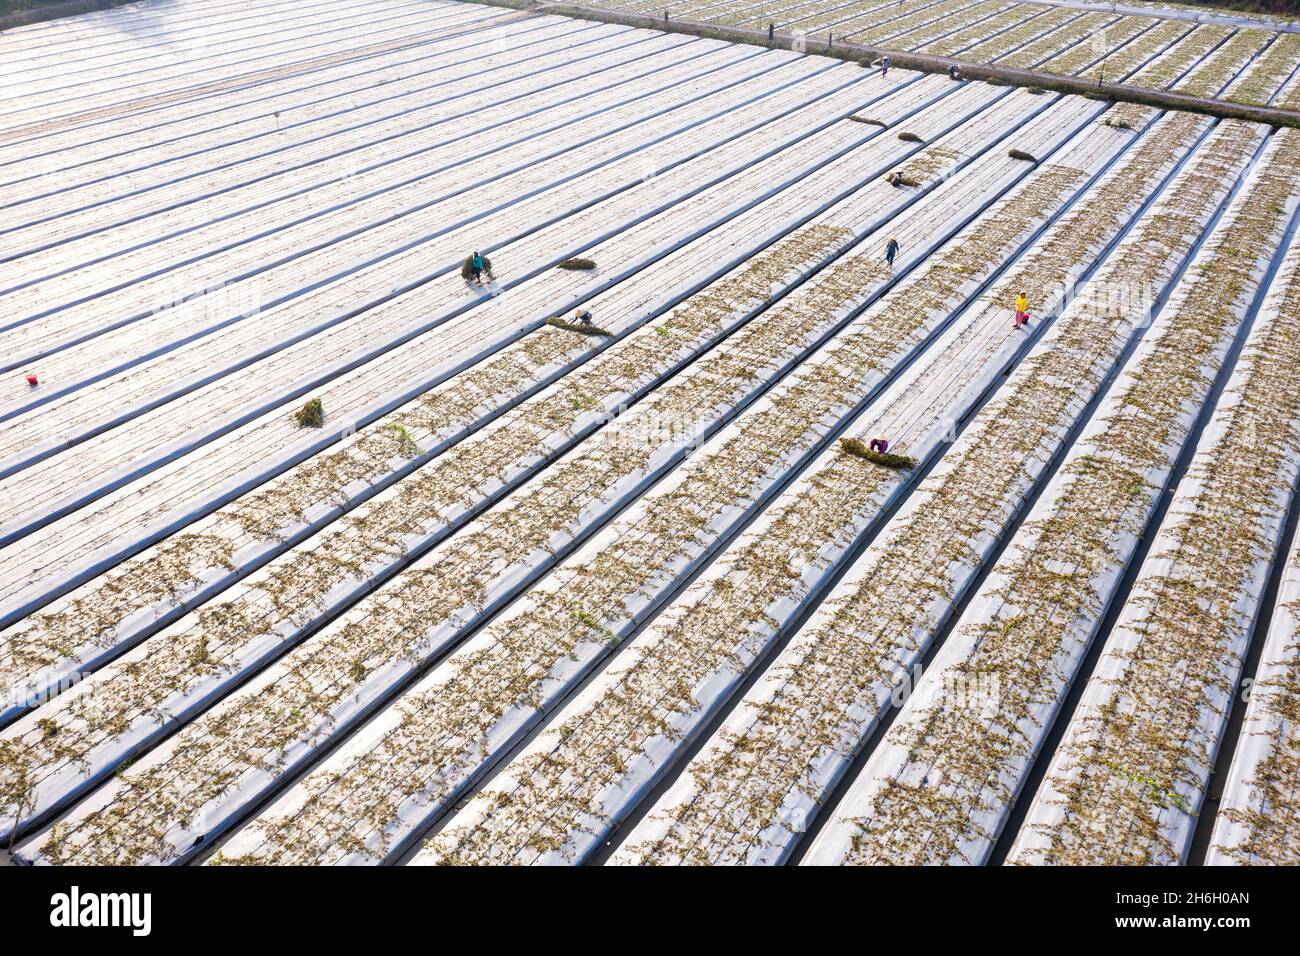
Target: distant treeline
{"x": 1284, "y": 7}
{"x": 55, "y": 8}
{"x": 20, "y": 6}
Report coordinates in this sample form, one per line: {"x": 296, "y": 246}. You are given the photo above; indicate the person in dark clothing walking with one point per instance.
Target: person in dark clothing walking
{"x": 891, "y": 251}
{"x": 884, "y": 67}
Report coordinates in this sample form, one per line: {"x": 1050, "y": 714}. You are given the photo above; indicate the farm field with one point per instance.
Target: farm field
{"x": 734, "y": 516}
{"x": 1063, "y": 37}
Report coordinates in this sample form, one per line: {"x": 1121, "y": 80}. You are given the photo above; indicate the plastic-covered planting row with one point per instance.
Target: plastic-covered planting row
{"x": 1232, "y": 65}
{"x": 785, "y": 13}
{"x": 269, "y": 443}
{"x": 151, "y": 593}
{"x": 1033, "y": 38}
{"x": 708, "y": 9}
{"x": 985, "y": 30}
{"x": 821, "y": 16}
{"x": 117, "y": 34}
{"x": 1259, "y": 811}
{"x": 1002, "y": 26}
{"x": 210, "y": 254}
{"x": 902, "y": 591}
{"x": 1260, "y": 82}
{"x": 1129, "y": 777}
{"x": 429, "y": 419}
{"x": 1288, "y": 97}
{"x": 945, "y": 25}
{"x": 1130, "y": 46}
{"x": 513, "y": 672}
{"x": 284, "y": 145}
{"x": 601, "y": 753}
{"x": 63, "y": 106}
{"x": 872, "y": 30}
{"x": 456, "y": 578}
{"x": 1118, "y": 49}
{"x": 125, "y": 28}
{"x": 244, "y": 173}
{"x": 126, "y": 272}
{"x": 299, "y": 27}
{"x": 162, "y": 291}
{"x": 1084, "y": 36}
{"x": 1178, "y": 58}
{"x": 139, "y": 591}
{"x": 131, "y": 597}
{"x": 892, "y": 23}
{"x": 1225, "y": 63}
{"x": 711, "y": 10}
{"x": 157, "y": 582}
{"x": 189, "y": 42}
{"x": 427, "y": 747}
{"x": 630, "y": 228}
{"x": 1188, "y": 69}
{"x": 939, "y": 787}
{"x": 319, "y": 682}
{"x": 929, "y": 166}
{"x": 393, "y": 91}
{"x": 166, "y": 293}
{"x": 723, "y": 13}
{"x": 301, "y": 97}
{"x": 688, "y": 10}
{"x": 473, "y": 570}
{"x": 922, "y": 22}
{"x": 1076, "y": 43}
{"x": 691, "y": 9}
{"x": 756, "y": 784}
{"x": 145, "y": 90}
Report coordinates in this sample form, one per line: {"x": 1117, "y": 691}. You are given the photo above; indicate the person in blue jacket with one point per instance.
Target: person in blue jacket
{"x": 476, "y": 267}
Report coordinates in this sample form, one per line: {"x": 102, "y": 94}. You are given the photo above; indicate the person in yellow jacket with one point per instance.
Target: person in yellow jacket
{"x": 1022, "y": 311}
